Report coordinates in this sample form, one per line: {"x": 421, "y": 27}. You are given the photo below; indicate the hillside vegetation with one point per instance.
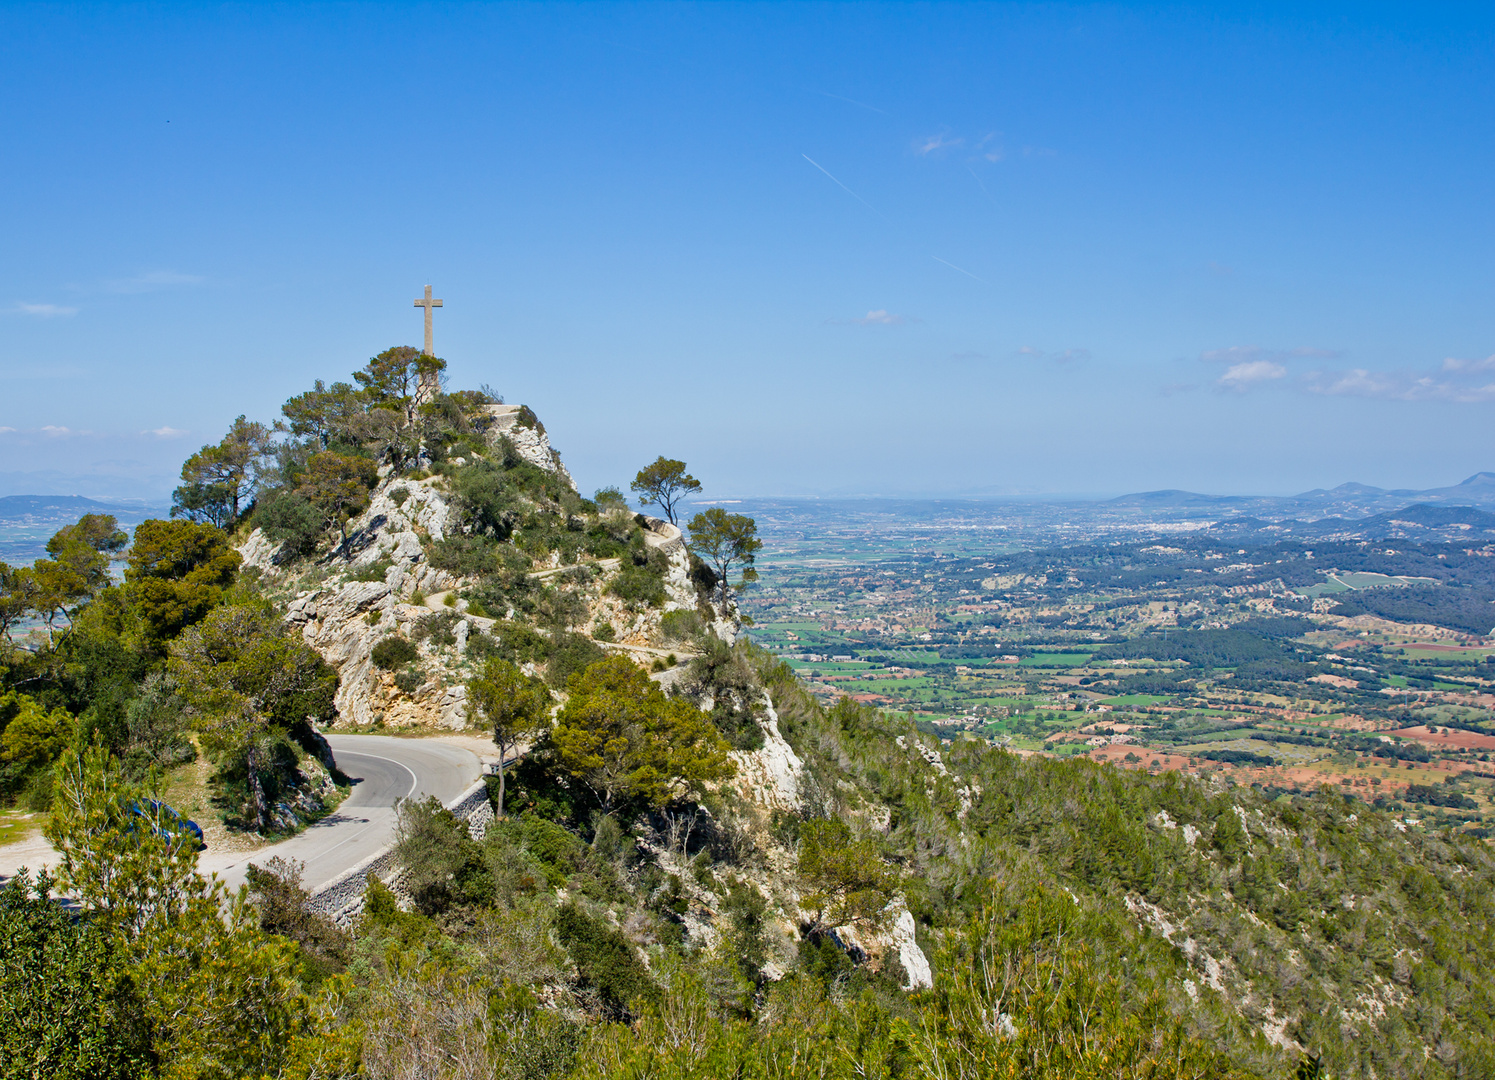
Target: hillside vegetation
{"x": 697, "y": 869}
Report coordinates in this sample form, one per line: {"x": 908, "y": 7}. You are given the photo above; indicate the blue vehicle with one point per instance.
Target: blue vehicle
{"x": 165, "y": 821}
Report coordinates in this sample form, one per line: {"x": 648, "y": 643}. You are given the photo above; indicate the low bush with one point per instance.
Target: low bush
{"x": 443, "y": 864}
{"x": 468, "y": 556}
{"x": 438, "y": 629}
{"x": 604, "y": 959}
{"x": 570, "y": 653}
{"x": 393, "y": 652}
{"x": 372, "y": 572}
{"x": 408, "y": 679}
{"x": 518, "y": 643}
{"x": 639, "y": 585}
{"x": 682, "y": 626}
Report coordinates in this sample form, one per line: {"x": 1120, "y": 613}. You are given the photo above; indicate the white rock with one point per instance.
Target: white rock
{"x": 769, "y": 776}
{"x": 915, "y": 963}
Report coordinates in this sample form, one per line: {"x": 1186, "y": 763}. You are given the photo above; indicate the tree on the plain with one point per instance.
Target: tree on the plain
{"x": 664, "y": 484}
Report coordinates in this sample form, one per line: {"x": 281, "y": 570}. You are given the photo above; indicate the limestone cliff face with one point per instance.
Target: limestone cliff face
{"x": 352, "y": 598}
{"x": 343, "y": 618}
{"x": 520, "y": 426}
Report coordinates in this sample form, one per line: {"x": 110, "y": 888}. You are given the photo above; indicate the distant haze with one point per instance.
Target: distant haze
{"x": 812, "y": 250}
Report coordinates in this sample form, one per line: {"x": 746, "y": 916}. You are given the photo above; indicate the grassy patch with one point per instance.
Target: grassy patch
{"x": 1134, "y": 699}
{"x": 1055, "y": 660}
{"x": 16, "y": 825}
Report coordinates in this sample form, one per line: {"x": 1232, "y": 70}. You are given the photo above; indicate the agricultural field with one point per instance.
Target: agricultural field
{"x": 1153, "y": 651}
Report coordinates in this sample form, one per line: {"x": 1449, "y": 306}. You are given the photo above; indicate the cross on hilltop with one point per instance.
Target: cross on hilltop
{"x": 427, "y": 303}
{"x": 430, "y": 381}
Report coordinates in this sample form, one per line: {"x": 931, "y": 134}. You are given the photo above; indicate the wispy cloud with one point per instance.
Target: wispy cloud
{"x": 1238, "y": 377}
{"x": 166, "y": 432}
{"x": 1403, "y": 385}
{"x": 1064, "y": 356}
{"x": 990, "y": 147}
{"x": 852, "y": 101}
{"x": 7, "y": 431}
{"x": 1455, "y": 364}
{"x": 151, "y": 281}
{"x": 55, "y": 431}
{"x": 933, "y": 144}
{"x": 1251, "y": 365}
{"x": 43, "y": 311}
{"x": 880, "y": 317}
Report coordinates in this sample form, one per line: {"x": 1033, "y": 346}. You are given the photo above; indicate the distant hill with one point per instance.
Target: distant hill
{"x": 36, "y": 509}
{"x": 1430, "y": 516}
{"x": 1172, "y": 497}
{"x": 1347, "y": 501}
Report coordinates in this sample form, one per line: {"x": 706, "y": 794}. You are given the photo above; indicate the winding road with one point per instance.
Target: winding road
{"x": 383, "y": 769}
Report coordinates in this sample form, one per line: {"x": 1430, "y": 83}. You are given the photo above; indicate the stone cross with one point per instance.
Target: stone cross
{"x": 428, "y": 304}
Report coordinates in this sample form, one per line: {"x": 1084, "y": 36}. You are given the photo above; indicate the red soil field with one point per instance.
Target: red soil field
{"x": 1448, "y": 737}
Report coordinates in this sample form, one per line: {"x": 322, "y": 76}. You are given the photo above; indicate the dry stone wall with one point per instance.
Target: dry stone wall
{"x": 341, "y": 899}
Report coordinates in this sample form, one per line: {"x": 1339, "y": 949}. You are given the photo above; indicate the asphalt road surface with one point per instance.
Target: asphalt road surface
{"x": 383, "y": 769}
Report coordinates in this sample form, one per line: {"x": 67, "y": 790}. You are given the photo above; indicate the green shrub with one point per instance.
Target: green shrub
{"x": 554, "y": 849}
{"x": 394, "y": 651}
{"x": 439, "y": 629}
{"x": 373, "y": 572}
{"x": 518, "y": 643}
{"x": 684, "y": 626}
{"x": 399, "y": 495}
{"x": 528, "y": 419}
{"x": 290, "y": 519}
{"x": 604, "y": 959}
{"x": 639, "y": 585}
{"x": 443, "y": 864}
{"x": 408, "y": 679}
{"x": 569, "y": 653}
{"x": 603, "y": 631}
{"x": 68, "y": 1010}
{"x": 468, "y": 556}
{"x": 485, "y": 498}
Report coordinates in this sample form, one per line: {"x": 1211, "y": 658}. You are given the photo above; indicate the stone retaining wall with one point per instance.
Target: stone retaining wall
{"x": 341, "y": 899}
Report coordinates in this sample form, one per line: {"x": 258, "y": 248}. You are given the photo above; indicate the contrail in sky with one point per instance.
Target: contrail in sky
{"x": 951, "y": 265}
{"x": 843, "y": 187}
{"x": 851, "y": 101}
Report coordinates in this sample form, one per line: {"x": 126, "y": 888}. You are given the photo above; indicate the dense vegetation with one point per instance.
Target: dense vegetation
{"x": 630, "y": 912}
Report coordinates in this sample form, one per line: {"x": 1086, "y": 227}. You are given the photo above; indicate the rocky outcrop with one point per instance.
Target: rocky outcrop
{"x": 769, "y": 777}
{"x": 519, "y": 425}
{"x": 668, "y": 540}
{"x": 343, "y": 618}
{"x": 680, "y": 591}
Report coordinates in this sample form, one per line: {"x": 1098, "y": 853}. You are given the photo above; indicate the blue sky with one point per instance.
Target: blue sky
{"x": 848, "y": 249}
